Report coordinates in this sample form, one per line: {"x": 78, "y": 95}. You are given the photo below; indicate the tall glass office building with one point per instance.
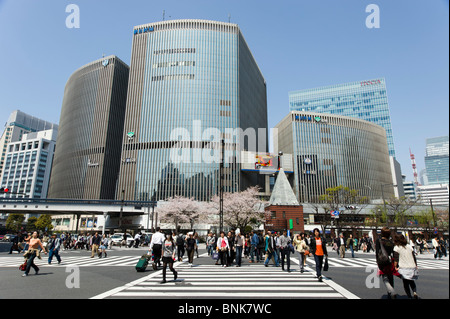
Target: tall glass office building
{"x": 192, "y": 82}
{"x": 437, "y": 160}
{"x": 87, "y": 156}
{"x": 332, "y": 150}
{"x": 366, "y": 100}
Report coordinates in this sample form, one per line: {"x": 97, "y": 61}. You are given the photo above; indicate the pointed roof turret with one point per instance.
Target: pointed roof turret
{"x": 282, "y": 194}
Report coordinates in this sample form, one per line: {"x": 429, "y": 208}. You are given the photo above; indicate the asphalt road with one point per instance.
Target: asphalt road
{"x": 53, "y": 282}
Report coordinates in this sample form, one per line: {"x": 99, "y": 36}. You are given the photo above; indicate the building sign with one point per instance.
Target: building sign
{"x": 143, "y": 30}
{"x": 373, "y": 82}
{"x": 130, "y": 135}
{"x": 105, "y": 62}
{"x": 263, "y": 161}
{"x": 91, "y": 164}
{"x": 129, "y": 160}
{"x": 334, "y": 214}
{"x": 307, "y": 118}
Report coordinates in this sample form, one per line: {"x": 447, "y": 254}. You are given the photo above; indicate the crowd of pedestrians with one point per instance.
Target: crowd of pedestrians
{"x": 395, "y": 255}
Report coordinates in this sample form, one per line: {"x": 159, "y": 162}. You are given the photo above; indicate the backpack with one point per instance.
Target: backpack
{"x": 180, "y": 241}
{"x": 383, "y": 258}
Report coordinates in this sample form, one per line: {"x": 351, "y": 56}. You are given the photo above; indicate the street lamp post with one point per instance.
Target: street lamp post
{"x": 384, "y": 202}
{"x": 221, "y": 184}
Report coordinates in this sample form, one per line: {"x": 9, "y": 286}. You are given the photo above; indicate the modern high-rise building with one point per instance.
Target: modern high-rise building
{"x": 366, "y": 100}
{"x": 192, "y": 83}
{"x": 437, "y": 160}
{"x": 333, "y": 150}
{"x": 28, "y": 165}
{"x": 436, "y": 194}
{"x": 18, "y": 124}
{"x": 87, "y": 156}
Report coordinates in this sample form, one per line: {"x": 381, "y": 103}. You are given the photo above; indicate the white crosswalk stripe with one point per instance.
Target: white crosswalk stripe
{"x": 129, "y": 261}
{"x": 210, "y": 281}
{"x": 371, "y": 262}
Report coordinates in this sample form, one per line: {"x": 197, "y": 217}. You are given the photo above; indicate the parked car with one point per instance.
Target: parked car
{"x": 9, "y": 237}
{"x": 116, "y": 239}
{"x": 2, "y": 237}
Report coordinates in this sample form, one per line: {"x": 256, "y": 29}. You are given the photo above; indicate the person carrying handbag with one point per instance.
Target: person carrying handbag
{"x": 406, "y": 264}
{"x": 384, "y": 249}
{"x": 319, "y": 250}
{"x": 301, "y": 249}
{"x": 222, "y": 248}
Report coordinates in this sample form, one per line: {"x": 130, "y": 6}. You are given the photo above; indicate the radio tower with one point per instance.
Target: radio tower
{"x": 413, "y": 163}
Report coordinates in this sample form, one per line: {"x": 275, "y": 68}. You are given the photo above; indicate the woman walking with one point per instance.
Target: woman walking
{"x": 33, "y": 249}
{"x": 406, "y": 264}
{"x": 319, "y": 250}
{"x": 386, "y": 267}
{"x": 191, "y": 245}
{"x": 301, "y": 247}
{"x": 103, "y": 246}
{"x": 222, "y": 248}
{"x": 169, "y": 249}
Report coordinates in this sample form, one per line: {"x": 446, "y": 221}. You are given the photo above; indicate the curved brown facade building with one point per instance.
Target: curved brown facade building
{"x": 87, "y": 157}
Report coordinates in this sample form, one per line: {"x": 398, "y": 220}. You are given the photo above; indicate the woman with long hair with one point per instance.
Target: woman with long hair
{"x": 169, "y": 249}
{"x": 319, "y": 250}
{"x": 301, "y": 247}
{"x": 386, "y": 267}
{"x": 406, "y": 264}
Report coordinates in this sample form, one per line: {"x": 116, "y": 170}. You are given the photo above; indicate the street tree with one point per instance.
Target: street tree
{"x": 181, "y": 210}
{"x": 44, "y": 223}
{"x": 240, "y": 209}
{"x": 14, "y": 222}
{"x": 343, "y": 199}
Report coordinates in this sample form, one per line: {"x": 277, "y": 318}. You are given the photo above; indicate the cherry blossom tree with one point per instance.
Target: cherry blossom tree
{"x": 181, "y": 210}
{"x": 240, "y": 209}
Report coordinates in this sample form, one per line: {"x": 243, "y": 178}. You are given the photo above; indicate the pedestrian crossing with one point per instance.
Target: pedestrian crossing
{"x": 212, "y": 281}
{"x": 130, "y": 261}
{"x": 371, "y": 262}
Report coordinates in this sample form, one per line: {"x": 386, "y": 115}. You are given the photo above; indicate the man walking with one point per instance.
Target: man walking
{"x": 156, "y": 246}
{"x": 285, "y": 251}
{"x": 350, "y": 245}
{"x": 54, "y": 244}
{"x": 341, "y": 245}
{"x": 254, "y": 242}
{"x": 239, "y": 240}
{"x": 96, "y": 240}
{"x": 270, "y": 250}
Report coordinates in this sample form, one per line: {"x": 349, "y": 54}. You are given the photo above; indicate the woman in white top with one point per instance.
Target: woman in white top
{"x": 222, "y": 248}
{"x": 406, "y": 264}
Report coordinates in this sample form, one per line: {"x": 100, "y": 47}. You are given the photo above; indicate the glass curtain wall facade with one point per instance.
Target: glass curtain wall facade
{"x": 189, "y": 80}
{"x": 366, "y": 100}
{"x": 437, "y": 160}
{"x": 332, "y": 150}
{"x": 87, "y": 155}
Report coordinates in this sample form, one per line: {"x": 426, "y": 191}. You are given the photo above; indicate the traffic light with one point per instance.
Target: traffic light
{"x": 4, "y": 190}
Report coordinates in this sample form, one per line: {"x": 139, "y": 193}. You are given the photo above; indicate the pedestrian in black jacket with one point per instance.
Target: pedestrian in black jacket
{"x": 318, "y": 248}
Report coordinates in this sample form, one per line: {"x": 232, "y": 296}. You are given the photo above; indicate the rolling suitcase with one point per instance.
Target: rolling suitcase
{"x": 142, "y": 264}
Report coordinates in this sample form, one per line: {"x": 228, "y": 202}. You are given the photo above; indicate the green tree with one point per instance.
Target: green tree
{"x": 31, "y": 224}
{"x": 14, "y": 222}
{"x": 44, "y": 223}
{"x": 343, "y": 198}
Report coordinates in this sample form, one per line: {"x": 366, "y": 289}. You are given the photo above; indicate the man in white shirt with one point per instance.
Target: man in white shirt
{"x": 156, "y": 247}
{"x": 341, "y": 246}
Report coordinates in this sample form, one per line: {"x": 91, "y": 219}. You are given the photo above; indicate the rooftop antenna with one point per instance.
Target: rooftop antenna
{"x": 164, "y": 14}
{"x": 229, "y": 18}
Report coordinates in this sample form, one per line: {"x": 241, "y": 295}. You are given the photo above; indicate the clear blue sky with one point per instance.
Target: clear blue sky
{"x": 297, "y": 44}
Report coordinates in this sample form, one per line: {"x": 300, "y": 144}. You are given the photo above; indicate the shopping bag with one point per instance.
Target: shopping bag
{"x": 215, "y": 255}
{"x": 325, "y": 265}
